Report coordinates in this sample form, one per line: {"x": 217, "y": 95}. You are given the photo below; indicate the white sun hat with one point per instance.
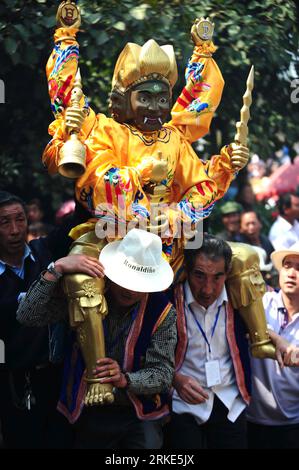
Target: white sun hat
{"x": 279, "y": 255}
{"x": 136, "y": 262}
{"x": 262, "y": 256}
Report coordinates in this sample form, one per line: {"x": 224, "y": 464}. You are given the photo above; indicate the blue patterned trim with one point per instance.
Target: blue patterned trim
{"x": 64, "y": 55}
{"x": 194, "y": 69}
{"x": 138, "y": 209}
{"x": 167, "y": 249}
{"x": 195, "y": 214}
{"x": 197, "y": 106}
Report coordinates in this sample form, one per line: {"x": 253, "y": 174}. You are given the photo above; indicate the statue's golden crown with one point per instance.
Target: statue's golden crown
{"x": 137, "y": 64}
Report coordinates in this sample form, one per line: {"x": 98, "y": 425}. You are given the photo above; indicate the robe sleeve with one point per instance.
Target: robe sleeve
{"x": 194, "y": 109}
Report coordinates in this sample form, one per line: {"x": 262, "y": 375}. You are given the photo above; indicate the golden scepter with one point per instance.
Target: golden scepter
{"x": 252, "y": 313}
{"x": 73, "y": 153}
{"x": 238, "y": 149}
{"x": 242, "y": 128}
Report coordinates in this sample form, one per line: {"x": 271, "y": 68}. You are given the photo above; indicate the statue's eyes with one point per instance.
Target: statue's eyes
{"x": 163, "y": 100}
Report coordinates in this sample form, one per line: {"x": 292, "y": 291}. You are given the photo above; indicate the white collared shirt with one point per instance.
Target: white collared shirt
{"x": 198, "y": 354}
{"x": 282, "y": 234}
{"x": 275, "y": 391}
{"x": 19, "y": 271}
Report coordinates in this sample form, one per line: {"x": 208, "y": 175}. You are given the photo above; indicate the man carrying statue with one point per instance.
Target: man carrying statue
{"x": 136, "y": 169}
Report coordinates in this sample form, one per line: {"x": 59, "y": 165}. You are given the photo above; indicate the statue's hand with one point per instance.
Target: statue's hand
{"x": 68, "y": 15}
{"x": 74, "y": 119}
{"x": 159, "y": 170}
{"x": 159, "y": 225}
{"x": 239, "y": 155}
{"x": 165, "y": 221}
{"x": 202, "y": 31}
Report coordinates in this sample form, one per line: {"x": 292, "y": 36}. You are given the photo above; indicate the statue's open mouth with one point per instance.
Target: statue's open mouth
{"x": 152, "y": 121}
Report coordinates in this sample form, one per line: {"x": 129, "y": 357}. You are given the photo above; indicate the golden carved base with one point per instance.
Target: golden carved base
{"x": 98, "y": 394}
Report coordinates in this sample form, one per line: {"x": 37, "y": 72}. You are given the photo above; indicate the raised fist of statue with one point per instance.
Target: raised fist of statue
{"x": 74, "y": 119}
{"x": 239, "y": 155}
{"x": 159, "y": 224}
{"x": 202, "y": 31}
{"x": 159, "y": 169}
{"x": 68, "y": 15}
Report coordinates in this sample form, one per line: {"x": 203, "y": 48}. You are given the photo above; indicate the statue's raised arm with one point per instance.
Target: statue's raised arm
{"x": 73, "y": 116}
{"x": 195, "y": 107}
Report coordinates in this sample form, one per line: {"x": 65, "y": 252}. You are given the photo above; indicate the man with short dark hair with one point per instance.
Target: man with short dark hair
{"x": 274, "y": 412}
{"x": 212, "y": 378}
{"x": 211, "y": 391}
{"x": 230, "y": 216}
{"x": 26, "y": 398}
{"x": 285, "y": 230}
{"x": 251, "y": 232}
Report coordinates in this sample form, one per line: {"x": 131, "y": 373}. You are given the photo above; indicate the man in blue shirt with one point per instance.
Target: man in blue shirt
{"x": 26, "y": 399}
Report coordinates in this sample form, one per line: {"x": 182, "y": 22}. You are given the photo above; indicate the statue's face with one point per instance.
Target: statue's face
{"x": 150, "y": 105}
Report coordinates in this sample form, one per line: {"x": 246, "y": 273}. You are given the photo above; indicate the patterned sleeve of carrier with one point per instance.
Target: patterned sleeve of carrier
{"x": 42, "y": 304}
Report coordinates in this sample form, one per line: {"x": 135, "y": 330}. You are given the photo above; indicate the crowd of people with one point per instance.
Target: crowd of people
{"x": 186, "y": 384}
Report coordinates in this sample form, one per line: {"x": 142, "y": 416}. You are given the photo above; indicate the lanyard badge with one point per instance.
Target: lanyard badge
{"x": 212, "y": 368}
{"x": 213, "y": 375}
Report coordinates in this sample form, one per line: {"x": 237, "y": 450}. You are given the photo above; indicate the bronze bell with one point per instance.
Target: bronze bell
{"x": 72, "y": 158}
{"x": 73, "y": 153}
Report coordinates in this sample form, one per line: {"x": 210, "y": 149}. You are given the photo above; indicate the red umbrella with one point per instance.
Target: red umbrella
{"x": 283, "y": 180}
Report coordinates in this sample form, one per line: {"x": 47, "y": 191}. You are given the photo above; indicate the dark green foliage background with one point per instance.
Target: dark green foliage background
{"x": 247, "y": 32}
